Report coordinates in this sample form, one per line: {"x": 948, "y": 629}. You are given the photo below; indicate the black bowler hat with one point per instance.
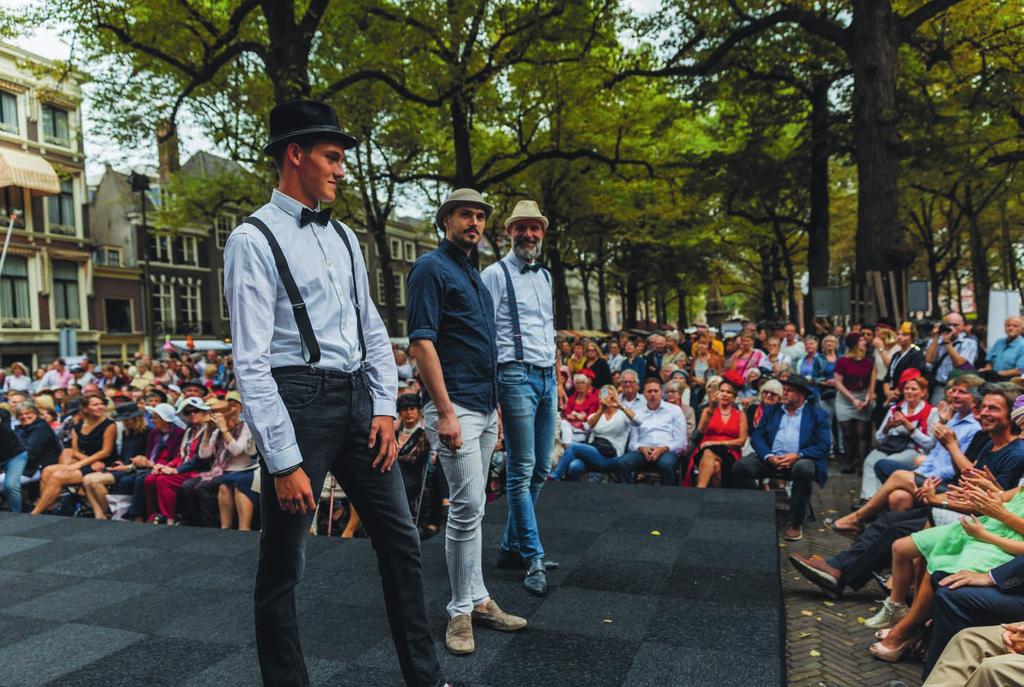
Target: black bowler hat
{"x": 799, "y": 382}
{"x": 298, "y": 118}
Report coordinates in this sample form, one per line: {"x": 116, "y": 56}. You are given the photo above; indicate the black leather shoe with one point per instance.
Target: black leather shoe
{"x": 510, "y": 560}
{"x": 536, "y": 581}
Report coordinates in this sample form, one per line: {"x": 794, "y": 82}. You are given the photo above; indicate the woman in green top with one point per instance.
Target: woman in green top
{"x": 975, "y": 544}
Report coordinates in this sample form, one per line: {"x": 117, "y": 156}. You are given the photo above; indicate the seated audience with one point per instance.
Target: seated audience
{"x": 162, "y": 446}
{"x": 595, "y": 362}
{"x": 41, "y": 450}
{"x": 936, "y": 469}
{"x": 657, "y": 439}
{"x": 92, "y": 450}
{"x": 906, "y": 432}
{"x": 13, "y": 460}
{"x": 581, "y": 404}
{"x": 227, "y": 448}
{"x": 677, "y": 394}
{"x": 134, "y": 434}
{"x": 724, "y": 430}
{"x": 792, "y": 442}
{"x": 165, "y": 479}
{"x": 413, "y": 447}
{"x": 609, "y": 433}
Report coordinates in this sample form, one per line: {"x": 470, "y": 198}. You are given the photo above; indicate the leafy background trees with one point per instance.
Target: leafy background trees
{"x": 725, "y": 148}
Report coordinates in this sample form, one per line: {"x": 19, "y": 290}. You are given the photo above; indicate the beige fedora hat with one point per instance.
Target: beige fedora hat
{"x": 460, "y": 196}
{"x": 526, "y": 209}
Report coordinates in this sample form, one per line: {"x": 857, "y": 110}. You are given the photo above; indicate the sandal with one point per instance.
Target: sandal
{"x": 883, "y": 653}
{"x": 845, "y": 531}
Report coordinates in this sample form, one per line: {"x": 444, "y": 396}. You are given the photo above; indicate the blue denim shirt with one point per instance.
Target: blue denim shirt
{"x": 449, "y": 305}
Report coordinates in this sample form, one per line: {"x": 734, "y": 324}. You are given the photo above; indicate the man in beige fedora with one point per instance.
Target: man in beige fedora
{"x": 528, "y": 387}
{"x": 451, "y": 330}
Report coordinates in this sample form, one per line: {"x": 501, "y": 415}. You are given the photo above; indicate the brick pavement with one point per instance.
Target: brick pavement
{"x": 826, "y": 645}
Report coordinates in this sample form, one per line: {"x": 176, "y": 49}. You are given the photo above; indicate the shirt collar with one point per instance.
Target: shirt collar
{"x": 515, "y": 260}
{"x": 799, "y": 411}
{"x": 289, "y": 205}
{"x": 455, "y": 252}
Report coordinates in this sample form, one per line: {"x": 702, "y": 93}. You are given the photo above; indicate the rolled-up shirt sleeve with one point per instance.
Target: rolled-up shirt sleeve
{"x": 423, "y": 311}
{"x": 381, "y": 369}
{"x": 678, "y": 442}
{"x": 250, "y": 287}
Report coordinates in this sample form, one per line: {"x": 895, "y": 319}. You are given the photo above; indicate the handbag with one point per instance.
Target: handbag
{"x": 894, "y": 443}
{"x": 604, "y": 447}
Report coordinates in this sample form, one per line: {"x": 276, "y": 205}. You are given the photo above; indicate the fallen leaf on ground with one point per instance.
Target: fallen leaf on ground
{"x": 830, "y": 604}
{"x": 655, "y": 533}
{"x": 815, "y": 652}
{"x": 807, "y": 613}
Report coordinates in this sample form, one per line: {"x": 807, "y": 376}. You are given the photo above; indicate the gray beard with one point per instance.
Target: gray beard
{"x": 525, "y": 254}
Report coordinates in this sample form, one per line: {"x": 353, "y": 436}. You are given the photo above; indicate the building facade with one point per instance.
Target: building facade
{"x": 47, "y": 281}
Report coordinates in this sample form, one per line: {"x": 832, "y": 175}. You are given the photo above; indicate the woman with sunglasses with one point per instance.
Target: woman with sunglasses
{"x": 165, "y": 480}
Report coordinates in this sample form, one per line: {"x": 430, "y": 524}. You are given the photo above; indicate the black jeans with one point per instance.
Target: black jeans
{"x": 749, "y": 469}
{"x": 197, "y": 502}
{"x": 331, "y": 413}
{"x": 872, "y": 551}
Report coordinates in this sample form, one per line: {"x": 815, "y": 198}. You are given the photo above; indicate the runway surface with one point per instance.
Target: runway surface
{"x": 657, "y": 586}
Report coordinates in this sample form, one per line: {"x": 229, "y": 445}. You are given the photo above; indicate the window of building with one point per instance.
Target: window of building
{"x": 410, "y": 251}
{"x": 60, "y": 210}
{"x": 366, "y": 252}
{"x": 112, "y": 353}
{"x": 163, "y": 306}
{"x": 188, "y": 307}
{"x": 12, "y": 200}
{"x": 396, "y": 249}
{"x": 8, "y": 112}
{"x": 382, "y": 297}
{"x": 222, "y": 228}
{"x": 110, "y": 257}
{"x": 159, "y": 248}
{"x": 186, "y": 251}
{"x": 15, "y": 309}
{"x": 65, "y": 293}
{"x": 55, "y": 126}
{"x": 399, "y": 282}
{"x": 118, "y": 315}
{"x": 224, "y": 314}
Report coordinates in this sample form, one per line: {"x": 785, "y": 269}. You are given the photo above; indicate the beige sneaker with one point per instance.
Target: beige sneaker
{"x": 497, "y": 619}
{"x": 459, "y": 636}
{"x": 890, "y": 614}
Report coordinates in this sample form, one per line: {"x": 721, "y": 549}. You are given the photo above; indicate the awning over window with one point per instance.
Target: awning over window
{"x": 28, "y": 170}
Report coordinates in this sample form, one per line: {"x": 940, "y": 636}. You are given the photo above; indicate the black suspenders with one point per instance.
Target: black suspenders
{"x": 310, "y": 347}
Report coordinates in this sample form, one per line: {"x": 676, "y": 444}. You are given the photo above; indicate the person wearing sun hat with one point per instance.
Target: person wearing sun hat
{"x": 452, "y": 336}
{"x": 313, "y": 363}
{"x": 528, "y": 387}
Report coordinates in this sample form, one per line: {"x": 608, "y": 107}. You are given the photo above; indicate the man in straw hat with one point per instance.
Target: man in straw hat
{"x": 314, "y": 366}
{"x": 527, "y": 385}
{"x": 451, "y": 330}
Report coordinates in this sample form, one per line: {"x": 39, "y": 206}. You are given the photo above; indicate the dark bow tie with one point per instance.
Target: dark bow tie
{"x": 320, "y": 217}
{"x": 532, "y": 267}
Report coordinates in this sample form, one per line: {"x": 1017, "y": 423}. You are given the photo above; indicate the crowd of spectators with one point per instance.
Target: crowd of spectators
{"x": 926, "y": 417}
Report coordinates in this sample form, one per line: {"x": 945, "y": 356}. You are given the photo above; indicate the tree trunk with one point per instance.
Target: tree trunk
{"x": 464, "y": 175}
{"x": 979, "y": 262}
{"x": 588, "y": 310}
{"x": 287, "y": 58}
{"x": 390, "y": 307}
{"x": 629, "y": 316}
{"x": 1009, "y": 254}
{"x": 647, "y": 308}
{"x": 681, "y": 319}
{"x": 818, "y": 225}
{"x": 660, "y": 307}
{"x": 881, "y": 253}
{"x": 563, "y": 311}
{"x": 602, "y": 290}
{"x": 767, "y": 289}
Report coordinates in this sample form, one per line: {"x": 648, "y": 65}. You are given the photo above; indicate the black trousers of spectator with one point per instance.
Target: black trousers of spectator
{"x": 138, "y": 507}
{"x": 331, "y": 413}
{"x": 872, "y": 550}
{"x": 957, "y": 609}
{"x": 197, "y": 502}
{"x": 749, "y": 469}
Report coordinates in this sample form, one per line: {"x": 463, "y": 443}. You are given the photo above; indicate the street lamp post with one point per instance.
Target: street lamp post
{"x": 140, "y": 183}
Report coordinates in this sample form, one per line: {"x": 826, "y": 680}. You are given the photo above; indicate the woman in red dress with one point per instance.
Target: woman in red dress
{"x": 724, "y": 427}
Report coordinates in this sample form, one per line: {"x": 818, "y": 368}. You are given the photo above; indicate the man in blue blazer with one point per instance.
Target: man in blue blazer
{"x": 792, "y": 442}
{"x": 970, "y": 599}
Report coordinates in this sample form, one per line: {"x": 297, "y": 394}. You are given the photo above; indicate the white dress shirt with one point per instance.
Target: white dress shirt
{"x": 536, "y": 313}
{"x": 263, "y": 330}
{"x": 663, "y": 426}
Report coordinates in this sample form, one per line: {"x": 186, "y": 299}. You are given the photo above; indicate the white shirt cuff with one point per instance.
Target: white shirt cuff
{"x": 283, "y": 459}
{"x": 384, "y": 407}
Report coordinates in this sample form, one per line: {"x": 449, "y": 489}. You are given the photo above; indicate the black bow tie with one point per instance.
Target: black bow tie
{"x": 320, "y": 217}
{"x": 532, "y": 267}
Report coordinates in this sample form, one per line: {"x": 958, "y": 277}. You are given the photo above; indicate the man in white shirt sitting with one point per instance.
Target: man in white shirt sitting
{"x": 657, "y": 440}
{"x": 629, "y": 386}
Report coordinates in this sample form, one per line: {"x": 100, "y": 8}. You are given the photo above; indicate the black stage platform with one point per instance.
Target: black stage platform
{"x": 86, "y": 603}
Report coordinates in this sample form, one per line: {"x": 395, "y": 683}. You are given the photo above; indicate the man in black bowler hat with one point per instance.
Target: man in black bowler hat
{"x": 314, "y": 366}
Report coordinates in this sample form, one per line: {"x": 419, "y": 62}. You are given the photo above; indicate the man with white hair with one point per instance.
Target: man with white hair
{"x": 951, "y": 348}
{"x": 631, "y": 398}
{"x": 1006, "y": 357}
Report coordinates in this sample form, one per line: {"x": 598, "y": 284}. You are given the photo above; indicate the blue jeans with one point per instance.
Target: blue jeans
{"x": 578, "y": 458}
{"x": 629, "y": 463}
{"x": 14, "y": 469}
{"x": 529, "y": 407}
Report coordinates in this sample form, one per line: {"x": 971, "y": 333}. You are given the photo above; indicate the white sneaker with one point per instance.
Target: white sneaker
{"x": 890, "y": 614}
